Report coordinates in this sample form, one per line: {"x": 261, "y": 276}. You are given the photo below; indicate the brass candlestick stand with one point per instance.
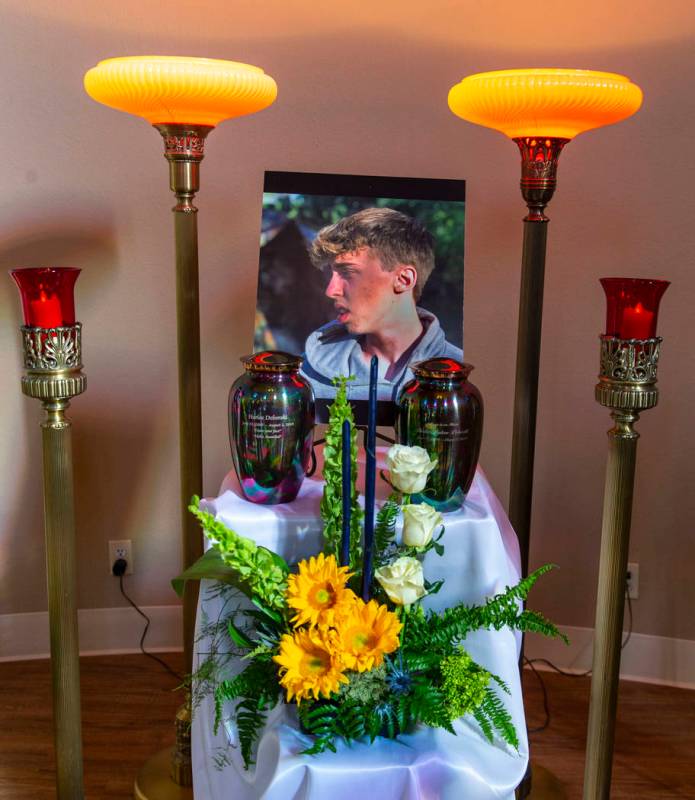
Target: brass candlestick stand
{"x": 53, "y": 374}
{"x": 627, "y": 386}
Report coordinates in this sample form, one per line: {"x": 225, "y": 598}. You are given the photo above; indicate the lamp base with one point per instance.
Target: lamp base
{"x": 154, "y": 780}
{"x": 543, "y": 786}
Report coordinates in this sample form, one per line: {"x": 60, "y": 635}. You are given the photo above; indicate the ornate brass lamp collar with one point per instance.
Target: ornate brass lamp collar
{"x": 184, "y": 149}
{"x": 627, "y": 377}
{"x": 539, "y": 157}
{"x": 53, "y": 362}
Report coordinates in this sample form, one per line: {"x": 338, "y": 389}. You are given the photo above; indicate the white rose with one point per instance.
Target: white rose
{"x": 409, "y": 467}
{"x": 402, "y": 580}
{"x": 419, "y": 522}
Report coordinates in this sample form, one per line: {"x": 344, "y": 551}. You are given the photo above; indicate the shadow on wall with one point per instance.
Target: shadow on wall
{"x": 112, "y": 465}
{"x": 57, "y": 242}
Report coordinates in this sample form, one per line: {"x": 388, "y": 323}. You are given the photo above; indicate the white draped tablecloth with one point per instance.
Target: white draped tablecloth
{"x": 481, "y": 558}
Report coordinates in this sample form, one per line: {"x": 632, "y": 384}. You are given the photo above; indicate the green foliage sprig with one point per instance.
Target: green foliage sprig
{"x": 331, "y": 502}
{"x": 260, "y": 573}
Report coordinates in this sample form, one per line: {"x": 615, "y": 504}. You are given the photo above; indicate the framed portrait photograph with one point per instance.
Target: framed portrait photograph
{"x": 353, "y": 266}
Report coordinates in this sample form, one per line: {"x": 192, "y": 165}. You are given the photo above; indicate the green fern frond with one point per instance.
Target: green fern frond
{"x": 494, "y": 710}
{"x": 428, "y": 705}
{"x": 403, "y": 713}
{"x": 485, "y": 724}
{"x": 522, "y": 589}
{"x": 419, "y": 661}
{"x": 373, "y": 725}
{"x": 257, "y": 691}
{"x": 441, "y": 631}
{"x": 352, "y": 722}
{"x": 534, "y": 622}
{"x": 329, "y": 720}
{"x": 321, "y": 721}
{"x": 503, "y": 686}
{"x": 250, "y": 720}
{"x": 392, "y": 724}
{"x": 385, "y": 527}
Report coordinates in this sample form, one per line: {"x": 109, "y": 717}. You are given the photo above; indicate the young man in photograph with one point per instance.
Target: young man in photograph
{"x": 379, "y": 261}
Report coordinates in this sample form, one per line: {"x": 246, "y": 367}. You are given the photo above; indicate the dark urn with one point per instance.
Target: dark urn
{"x": 271, "y": 427}
{"x": 442, "y": 411}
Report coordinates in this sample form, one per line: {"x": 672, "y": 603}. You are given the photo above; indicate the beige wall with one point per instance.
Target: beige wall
{"x": 362, "y": 89}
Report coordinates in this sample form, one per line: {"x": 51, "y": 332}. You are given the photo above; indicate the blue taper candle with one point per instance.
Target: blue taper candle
{"x": 370, "y": 482}
{"x": 347, "y": 494}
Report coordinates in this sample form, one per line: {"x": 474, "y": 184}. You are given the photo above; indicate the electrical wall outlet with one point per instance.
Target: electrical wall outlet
{"x": 121, "y": 548}
{"x": 633, "y": 580}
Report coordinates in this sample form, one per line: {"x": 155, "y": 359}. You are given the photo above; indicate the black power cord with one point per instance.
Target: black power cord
{"x": 555, "y": 668}
{"x": 118, "y": 569}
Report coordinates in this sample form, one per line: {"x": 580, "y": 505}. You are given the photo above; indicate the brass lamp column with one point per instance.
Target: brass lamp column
{"x": 184, "y": 150}
{"x": 627, "y": 386}
{"x": 539, "y": 159}
{"x": 541, "y": 110}
{"x": 53, "y": 375}
{"x": 184, "y": 98}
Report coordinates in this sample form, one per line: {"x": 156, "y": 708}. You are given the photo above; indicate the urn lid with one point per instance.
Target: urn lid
{"x": 447, "y": 368}
{"x": 271, "y": 361}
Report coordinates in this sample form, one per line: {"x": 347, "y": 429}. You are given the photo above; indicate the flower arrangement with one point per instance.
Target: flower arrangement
{"x": 356, "y": 666}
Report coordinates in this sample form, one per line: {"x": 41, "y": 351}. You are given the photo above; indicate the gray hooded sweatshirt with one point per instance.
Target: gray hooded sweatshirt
{"x": 332, "y": 351}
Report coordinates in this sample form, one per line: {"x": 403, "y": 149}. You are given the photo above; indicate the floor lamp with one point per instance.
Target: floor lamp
{"x": 541, "y": 110}
{"x": 184, "y": 98}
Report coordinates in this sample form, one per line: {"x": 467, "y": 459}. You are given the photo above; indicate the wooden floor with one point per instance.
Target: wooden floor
{"x": 654, "y": 756}
{"x": 128, "y": 707}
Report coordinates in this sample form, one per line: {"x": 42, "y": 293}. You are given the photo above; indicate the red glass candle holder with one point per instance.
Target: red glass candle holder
{"x": 47, "y": 295}
{"x": 633, "y": 306}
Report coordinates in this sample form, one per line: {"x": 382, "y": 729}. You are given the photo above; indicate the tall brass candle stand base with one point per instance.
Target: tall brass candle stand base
{"x": 627, "y": 386}
{"x": 53, "y": 374}
{"x": 167, "y": 775}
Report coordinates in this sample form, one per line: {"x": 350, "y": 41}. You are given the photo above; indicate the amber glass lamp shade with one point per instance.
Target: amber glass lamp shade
{"x": 173, "y": 89}
{"x": 632, "y": 306}
{"x": 557, "y": 103}
{"x": 47, "y": 295}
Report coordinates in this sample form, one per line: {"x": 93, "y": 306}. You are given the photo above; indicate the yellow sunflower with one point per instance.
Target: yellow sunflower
{"x": 309, "y": 665}
{"x": 366, "y": 633}
{"x": 318, "y": 591}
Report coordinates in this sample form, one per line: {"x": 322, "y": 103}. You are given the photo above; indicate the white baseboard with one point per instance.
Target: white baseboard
{"x": 650, "y": 659}
{"x": 102, "y": 631}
